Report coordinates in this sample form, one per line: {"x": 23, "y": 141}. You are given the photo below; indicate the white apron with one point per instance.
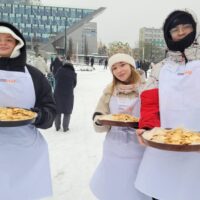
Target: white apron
{"x": 24, "y": 162}
{"x": 168, "y": 175}
{"x": 115, "y": 176}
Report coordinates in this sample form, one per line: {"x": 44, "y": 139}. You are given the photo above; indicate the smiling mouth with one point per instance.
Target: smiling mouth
{"x": 3, "y": 49}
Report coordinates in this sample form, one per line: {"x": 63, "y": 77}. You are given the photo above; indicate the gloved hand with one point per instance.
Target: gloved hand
{"x": 96, "y": 118}
{"x": 39, "y": 115}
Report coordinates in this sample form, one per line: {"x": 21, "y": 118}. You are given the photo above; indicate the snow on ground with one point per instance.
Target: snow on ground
{"x": 74, "y": 155}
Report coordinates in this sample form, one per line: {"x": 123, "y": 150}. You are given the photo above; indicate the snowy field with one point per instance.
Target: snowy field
{"x": 74, "y": 155}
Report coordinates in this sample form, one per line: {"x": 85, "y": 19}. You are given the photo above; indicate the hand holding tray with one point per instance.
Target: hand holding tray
{"x": 11, "y": 117}
{"x": 123, "y": 120}
{"x": 177, "y": 139}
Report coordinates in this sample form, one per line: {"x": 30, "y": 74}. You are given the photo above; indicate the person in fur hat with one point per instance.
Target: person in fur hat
{"x": 114, "y": 177}
{"x": 171, "y": 99}
{"x": 24, "y": 168}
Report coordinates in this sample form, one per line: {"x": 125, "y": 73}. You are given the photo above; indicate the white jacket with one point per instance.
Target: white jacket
{"x": 40, "y": 64}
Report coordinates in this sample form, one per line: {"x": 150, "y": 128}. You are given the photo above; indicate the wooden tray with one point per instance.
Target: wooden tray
{"x": 119, "y": 123}
{"x": 171, "y": 147}
{"x": 15, "y": 123}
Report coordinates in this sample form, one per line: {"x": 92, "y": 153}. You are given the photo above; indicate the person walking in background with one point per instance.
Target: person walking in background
{"x": 40, "y": 63}
{"x": 145, "y": 67}
{"x": 92, "y": 62}
{"x": 105, "y": 63}
{"x": 24, "y": 161}
{"x": 114, "y": 177}
{"x": 64, "y": 95}
{"x": 171, "y": 99}
{"x": 138, "y": 64}
{"x": 56, "y": 64}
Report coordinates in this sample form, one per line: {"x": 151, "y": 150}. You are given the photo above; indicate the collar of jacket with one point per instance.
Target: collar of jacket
{"x": 191, "y": 53}
{"x": 13, "y": 64}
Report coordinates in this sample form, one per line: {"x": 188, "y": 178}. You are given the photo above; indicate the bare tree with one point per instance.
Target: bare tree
{"x": 102, "y": 49}
{"x": 119, "y": 47}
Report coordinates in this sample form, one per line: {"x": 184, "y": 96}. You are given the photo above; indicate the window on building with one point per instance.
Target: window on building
{"x": 73, "y": 12}
{"x": 21, "y": 9}
{"x": 5, "y": 17}
{"x": 79, "y": 13}
{"x": 41, "y": 10}
{"x": 60, "y": 12}
{"x": 47, "y": 11}
{"x": 61, "y": 28}
{"x": 28, "y": 10}
{"x": 35, "y": 10}
{"x": 54, "y": 11}
{"x": 67, "y": 12}
{"x": 7, "y": 8}
{"x": 47, "y": 29}
{"x": 43, "y": 20}
{"x": 18, "y": 18}
{"x": 1, "y": 7}
{"x": 28, "y": 28}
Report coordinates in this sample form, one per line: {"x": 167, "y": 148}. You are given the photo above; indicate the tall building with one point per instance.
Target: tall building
{"x": 43, "y": 25}
{"x": 151, "y": 44}
{"x": 82, "y": 34}
{"x": 26, "y": 2}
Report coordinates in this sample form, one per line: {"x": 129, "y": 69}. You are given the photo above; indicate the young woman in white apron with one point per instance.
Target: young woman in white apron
{"x": 24, "y": 161}
{"x": 168, "y": 175}
{"x": 114, "y": 177}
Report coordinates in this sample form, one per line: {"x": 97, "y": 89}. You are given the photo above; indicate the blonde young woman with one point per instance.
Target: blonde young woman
{"x": 114, "y": 177}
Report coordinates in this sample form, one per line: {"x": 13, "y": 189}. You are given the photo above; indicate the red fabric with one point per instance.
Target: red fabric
{"x": 149, "y": 114}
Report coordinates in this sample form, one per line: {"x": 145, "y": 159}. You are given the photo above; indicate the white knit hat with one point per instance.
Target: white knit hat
{"x": 121, "y": 57}
{"x": 16, "y": 52}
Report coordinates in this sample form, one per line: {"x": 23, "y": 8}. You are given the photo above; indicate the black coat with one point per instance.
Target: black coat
{"x": 64, "y": 91}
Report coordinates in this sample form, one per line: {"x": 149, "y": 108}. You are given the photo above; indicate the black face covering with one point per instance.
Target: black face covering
{"x": 181, "y": 45}
{"x": 174, "y": 19}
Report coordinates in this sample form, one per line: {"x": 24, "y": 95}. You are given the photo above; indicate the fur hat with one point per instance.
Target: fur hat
{"x": 121, "y": 57}
{"x": 10, "y": 29}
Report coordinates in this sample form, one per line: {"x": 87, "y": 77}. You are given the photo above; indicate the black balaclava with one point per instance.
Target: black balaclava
{"x": 175, "y": 18}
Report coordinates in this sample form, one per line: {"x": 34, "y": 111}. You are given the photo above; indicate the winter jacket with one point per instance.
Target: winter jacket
{"x": 66, "y": 80}
{"x": 40, "y": 64}
{"x": 149, "y": 116}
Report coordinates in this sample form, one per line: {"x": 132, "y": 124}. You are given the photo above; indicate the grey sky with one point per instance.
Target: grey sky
{"x": 122, "y": 20}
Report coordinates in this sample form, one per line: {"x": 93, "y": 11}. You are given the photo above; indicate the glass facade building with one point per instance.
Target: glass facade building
{"x": 39, "y": 23}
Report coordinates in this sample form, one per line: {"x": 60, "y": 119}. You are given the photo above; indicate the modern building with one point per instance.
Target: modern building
{"x": 151, "y": 44}
{"x": 48, "y": 26}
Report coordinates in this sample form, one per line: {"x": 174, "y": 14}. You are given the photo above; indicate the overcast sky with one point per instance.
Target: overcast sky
{"x": 122, "y": 19}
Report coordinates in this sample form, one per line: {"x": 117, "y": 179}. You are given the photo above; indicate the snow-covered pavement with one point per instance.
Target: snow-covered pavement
{"x": 74, "y": 155}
